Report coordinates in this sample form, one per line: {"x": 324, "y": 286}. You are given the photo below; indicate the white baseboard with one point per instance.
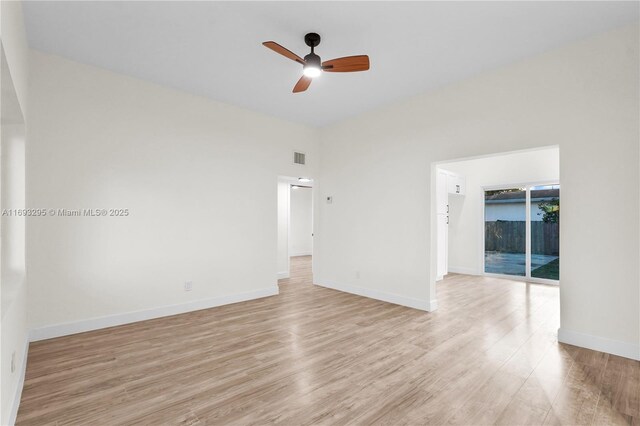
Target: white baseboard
{"x": 304, "y": 253}
{"x": 433, "y": 305}
{"x": 282, "y": 275}
{"x": 379, "y": 295}
{"x": 65, "y": 329}
{"x": 597, "y": 343}
{"x": 462, "y": 270}
{"x": 18, "y": 396}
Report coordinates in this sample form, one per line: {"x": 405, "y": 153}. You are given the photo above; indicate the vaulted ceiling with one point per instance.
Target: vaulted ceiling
{"x": 214, "y": 49}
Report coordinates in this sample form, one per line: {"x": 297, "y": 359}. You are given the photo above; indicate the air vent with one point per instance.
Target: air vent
{"x": 298, "y": 158}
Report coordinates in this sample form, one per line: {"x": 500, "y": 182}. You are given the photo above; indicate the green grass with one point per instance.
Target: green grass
{"x": 550, "y": 271}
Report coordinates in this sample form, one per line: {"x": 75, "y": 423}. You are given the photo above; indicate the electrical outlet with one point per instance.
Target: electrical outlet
{"x": 329, "y": 199}
{"x": 188, "y": 285}
{"x": 13, "y": 362}
{"x": 357, "y": 275}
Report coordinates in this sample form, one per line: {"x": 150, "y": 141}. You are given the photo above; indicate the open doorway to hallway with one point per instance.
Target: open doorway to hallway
{"x": 295, "y": 223}
{"x": 499, "y": 215}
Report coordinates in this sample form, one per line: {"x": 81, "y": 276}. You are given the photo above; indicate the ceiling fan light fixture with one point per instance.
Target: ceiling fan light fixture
{"x": 311, "y": 71}
{"x": 312, "y": 65}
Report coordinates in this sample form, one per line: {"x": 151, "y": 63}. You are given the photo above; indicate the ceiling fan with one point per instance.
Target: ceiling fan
{"x": 312, "y": 66}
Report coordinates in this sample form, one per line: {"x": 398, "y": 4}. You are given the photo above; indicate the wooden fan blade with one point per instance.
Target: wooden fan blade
{"x": 302, "y": 84}
{"x": 283, "y": 51}
{"x": 347, "y": 64}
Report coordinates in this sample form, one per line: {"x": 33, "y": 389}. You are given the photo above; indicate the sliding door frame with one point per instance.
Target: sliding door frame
{"x": 527, "y": 186}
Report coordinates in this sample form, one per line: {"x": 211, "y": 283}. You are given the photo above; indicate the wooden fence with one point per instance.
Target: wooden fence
{"x": 509, "y": 237}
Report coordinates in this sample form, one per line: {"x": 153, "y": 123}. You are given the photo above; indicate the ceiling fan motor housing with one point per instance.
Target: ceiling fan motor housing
{"x": 312, "y": 60}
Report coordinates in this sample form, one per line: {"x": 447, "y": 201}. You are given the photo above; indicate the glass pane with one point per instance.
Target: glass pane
{"x": 505, "y": 216}
{"x": 545, "y": 232}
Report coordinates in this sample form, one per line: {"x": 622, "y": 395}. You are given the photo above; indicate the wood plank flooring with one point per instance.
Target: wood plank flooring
{"x": 311, "y": 355}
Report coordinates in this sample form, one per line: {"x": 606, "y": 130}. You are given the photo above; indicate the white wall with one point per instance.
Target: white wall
{"x": 283, "y": 228}
{"x": 465, "y": 212}
{"x": 14, "y": 329}
{"x": 13, "y": 311}
{"x": 199, "y": 179}
{"x": 301, "y": 227}
{"x": 379, "y": 169}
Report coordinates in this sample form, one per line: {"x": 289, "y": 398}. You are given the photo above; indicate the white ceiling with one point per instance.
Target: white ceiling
{"x": 214, "y": 48}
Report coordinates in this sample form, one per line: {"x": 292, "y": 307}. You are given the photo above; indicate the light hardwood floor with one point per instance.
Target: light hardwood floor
{"x": 311, "y": 355}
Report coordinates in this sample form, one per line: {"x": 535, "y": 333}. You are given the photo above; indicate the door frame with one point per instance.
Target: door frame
{"x": 292, "y": 181}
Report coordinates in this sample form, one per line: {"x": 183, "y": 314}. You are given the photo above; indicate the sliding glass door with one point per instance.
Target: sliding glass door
{"x": 521, "y": 231}
{"x": 545, "y": 232}
{"x": 505, "y": 216}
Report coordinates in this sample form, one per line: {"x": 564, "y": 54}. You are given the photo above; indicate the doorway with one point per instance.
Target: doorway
{"x": 474, "y": 197}
{"x": 295, "y": 223}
